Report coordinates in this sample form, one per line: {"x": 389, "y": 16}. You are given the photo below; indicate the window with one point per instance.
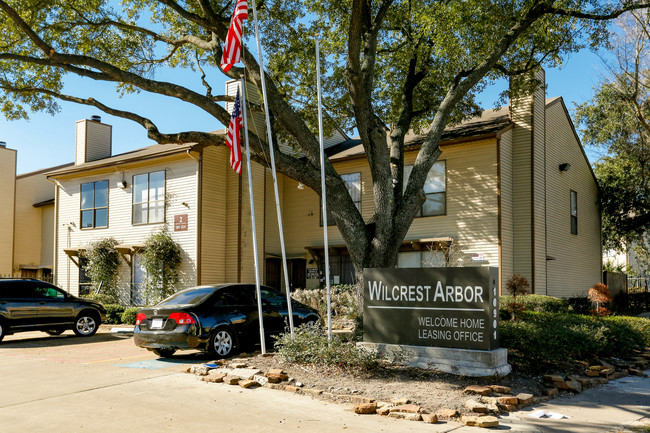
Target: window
{"x": 149, "y": 198}
{"x": 435, "y": 189}
{"x": 94, "y": 204}
{"x": 353, "y": 183}
{"x": 574, "y": 212}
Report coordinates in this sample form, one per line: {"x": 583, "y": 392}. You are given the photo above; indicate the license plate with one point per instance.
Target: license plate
{"x": 157, "y": 323}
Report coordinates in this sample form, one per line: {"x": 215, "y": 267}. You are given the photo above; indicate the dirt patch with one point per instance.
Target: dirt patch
{"x": 430, "y": 389}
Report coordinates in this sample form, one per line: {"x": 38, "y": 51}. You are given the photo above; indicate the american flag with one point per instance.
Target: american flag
{"x": 233, "y": 140}
{"x": 232, "y": 49}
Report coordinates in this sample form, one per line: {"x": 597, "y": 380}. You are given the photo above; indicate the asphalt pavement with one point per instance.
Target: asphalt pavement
{"x": 106, "y": 384}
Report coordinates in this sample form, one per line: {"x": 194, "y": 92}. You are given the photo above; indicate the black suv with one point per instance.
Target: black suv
{"x": 34, "y": 305}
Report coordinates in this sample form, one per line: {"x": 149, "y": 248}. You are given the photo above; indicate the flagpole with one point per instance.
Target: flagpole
{"x": 323, "y": 195}
{"x": 273, "y": 170}
{"x": 250, "y": 193}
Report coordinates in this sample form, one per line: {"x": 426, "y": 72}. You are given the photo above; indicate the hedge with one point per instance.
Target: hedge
{"x": 544, "y": 340}
{"x": 538, "y": 303}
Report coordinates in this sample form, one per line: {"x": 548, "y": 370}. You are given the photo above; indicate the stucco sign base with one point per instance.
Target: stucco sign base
{"x": 461, "y": 362}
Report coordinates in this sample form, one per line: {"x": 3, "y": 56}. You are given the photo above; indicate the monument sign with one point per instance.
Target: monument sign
{"x": 435, "y": 307}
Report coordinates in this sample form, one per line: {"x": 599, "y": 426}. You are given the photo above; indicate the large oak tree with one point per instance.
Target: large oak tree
{"x": 391, "y": 66}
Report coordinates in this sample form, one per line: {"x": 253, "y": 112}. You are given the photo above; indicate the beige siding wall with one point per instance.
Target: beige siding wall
{"x": 576, "y": 263}
{"x": 29, "y": 234}
{"x": 7, "y": 199}
{"x": 472, "y": 205}
{"x": 521, "y": 188}
{"x": 247, "y": 263}
{"x": 539, "y": 188}
{"x": 214, "y": 209}
{"x": 506, "y": 266}
{"x": 181, "y": 182}
{"x": 47, "y": 236}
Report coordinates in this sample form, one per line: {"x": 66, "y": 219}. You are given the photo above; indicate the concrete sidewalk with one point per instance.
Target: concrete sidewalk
{"x": 613, "y": 407}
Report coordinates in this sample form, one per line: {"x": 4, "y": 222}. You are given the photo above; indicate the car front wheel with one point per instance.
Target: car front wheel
{"x": 3, "y": 330}
{"x": 86, "y": 324}
{"x": 222, "y": 343}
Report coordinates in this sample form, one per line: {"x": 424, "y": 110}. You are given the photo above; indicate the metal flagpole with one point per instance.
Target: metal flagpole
{"x": 269, "y": 136}
{"x": 323, "y": 195}
{"x": 250, "y": 193}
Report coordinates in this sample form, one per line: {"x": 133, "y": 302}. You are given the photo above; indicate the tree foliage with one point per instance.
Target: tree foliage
{"x": 617, "y": 121}
{"x": 390, "y": 67}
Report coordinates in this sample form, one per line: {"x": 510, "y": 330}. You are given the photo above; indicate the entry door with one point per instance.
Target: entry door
{"x": 273, "y": 272}
{"x": 138, "y": 296}
{"x": 298, "y": 273}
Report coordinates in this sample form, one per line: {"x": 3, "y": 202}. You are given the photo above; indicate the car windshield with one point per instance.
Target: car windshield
{"x": 190, "y": 296}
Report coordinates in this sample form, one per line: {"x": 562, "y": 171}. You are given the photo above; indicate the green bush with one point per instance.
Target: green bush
{"x": 114, "y": 313}
{"x": 542, "y": 340}
{"x": 128, "y": 317}
{"x": 343, "y": 300}
{"x": 538, "y": 303}
{"x": 309, "y": 345}
{"x": 579, "y": 304}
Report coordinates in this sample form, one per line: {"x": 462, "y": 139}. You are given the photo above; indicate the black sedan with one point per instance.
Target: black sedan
{"x": 33, "y": 305}
{"x": 218, "y": 319}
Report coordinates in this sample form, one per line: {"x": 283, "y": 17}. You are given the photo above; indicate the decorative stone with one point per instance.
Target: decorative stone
{"x": 277, "y": 377}
{"x": 246, "y": 383}
{"x": 430, "y": 418}
{"x": 213, "y": 378}
{"x": 291, "y": 388}
{"x": 261, "y": 379}
{"x": 606, "y": 372}
{"x": 245, "y": 373}
{"x": 487, "y": 421}
{"x": 549, "y": 391}
{"x": 468, "y": 420}
{"x": 477, "y": 389}
{"x": 500, "y": 389}
{"x": 199, "y": 370}
{"x": 231, "y": 380}
{"x": 405, "y": 415}
{"x": 475, "y": 406}
{"x": 312, "y": 391}
{"x": 276, "y": 371}
{"x": 552, "y": 378}
{"x": 447, "y": 413}
{"x": 384, "y": 410}
{"x": 365, "y": 408}
{"x": 400, "y": 401}
{"x": 525, "y": 399}
{"x": 409, "y": 408}
{"x": 574, "y": 386}
{"x": 236, "y": 364}
{"x": 508, "y": 400}
{"x": 360, "y": 399}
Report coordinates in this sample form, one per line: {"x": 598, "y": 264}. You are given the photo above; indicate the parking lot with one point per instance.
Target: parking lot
{"x": 105, "y": 383}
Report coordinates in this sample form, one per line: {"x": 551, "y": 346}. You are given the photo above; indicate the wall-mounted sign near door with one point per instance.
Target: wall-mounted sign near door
{"x": 180, "y": 223}
{"x": 435, "y": 307}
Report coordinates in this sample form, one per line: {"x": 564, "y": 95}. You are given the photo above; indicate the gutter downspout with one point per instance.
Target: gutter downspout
{"x": 55, "y": 259}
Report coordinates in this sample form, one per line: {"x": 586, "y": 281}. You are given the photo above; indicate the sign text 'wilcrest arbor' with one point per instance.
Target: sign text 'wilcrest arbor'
{"x": 433, "y": 307}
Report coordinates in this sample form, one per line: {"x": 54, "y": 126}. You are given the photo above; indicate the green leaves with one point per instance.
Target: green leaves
{"x": 161, "y": 259}
{"x": 102, "y": 268}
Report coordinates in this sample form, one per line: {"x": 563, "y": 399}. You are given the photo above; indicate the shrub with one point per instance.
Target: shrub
{"x": 599, "y": 294}
{"x": 343, "y": 300}
{"x": 114, "y": 313}
{"x": 161, "y": 259}
{"x": 517, "y": 286}
{"x": 538, "y": 303}
{"x": 579, "y": 304}
{"x": 541, "y": 340}
{"x": 128, "y": 316}
{"x": 309, "y": 345}
{"x": 102, "y": 267}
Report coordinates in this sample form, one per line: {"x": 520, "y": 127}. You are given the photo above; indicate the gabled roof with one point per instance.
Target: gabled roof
{"x": 487, "y": 123}
{"x": 149, "y": 152}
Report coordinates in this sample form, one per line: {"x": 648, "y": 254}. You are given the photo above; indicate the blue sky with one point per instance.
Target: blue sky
{"x": 46, "y": 141}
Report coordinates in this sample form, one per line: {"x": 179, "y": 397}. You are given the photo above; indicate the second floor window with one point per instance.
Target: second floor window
{"x": 94, "y": 204}
{"x": 435, "y": 189}
{"x": 353, "y": 183}
{"x": 149, "y": 198}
